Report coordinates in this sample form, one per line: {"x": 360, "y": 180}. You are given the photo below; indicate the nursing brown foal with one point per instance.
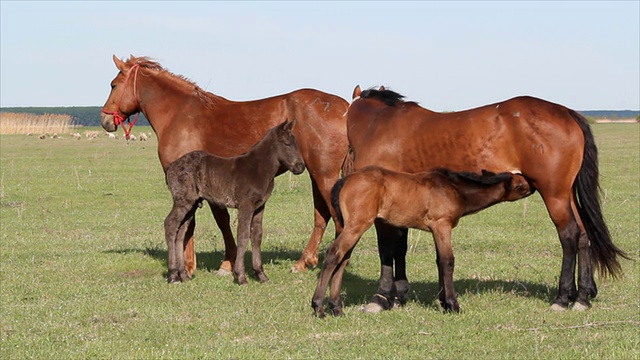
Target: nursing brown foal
{"x": 431, "y": 201}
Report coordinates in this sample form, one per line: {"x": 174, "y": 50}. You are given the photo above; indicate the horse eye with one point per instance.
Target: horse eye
{"x": 113, "y": 86}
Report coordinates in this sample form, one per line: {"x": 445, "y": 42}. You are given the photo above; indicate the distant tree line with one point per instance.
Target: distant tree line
{"x": 90, "y": 115}
{"x": 82, "y": 115}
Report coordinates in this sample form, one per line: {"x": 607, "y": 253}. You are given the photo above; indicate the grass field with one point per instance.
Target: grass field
{"x": 83, "y": 263}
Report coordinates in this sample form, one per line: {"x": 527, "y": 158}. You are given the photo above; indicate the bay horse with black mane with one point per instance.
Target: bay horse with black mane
{"x": 550, "y": 145}
{"x": 186, "y": 118}
{"x": 432, "y": 201}
{"x": 244, "y": 182}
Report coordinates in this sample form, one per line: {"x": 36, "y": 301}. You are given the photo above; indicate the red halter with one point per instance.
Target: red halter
{"x": 118, "y": 118}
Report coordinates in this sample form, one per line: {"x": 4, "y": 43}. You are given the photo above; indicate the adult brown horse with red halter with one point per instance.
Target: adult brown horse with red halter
{"x": 186, "y": 118}
{"x": 550, "y": 145}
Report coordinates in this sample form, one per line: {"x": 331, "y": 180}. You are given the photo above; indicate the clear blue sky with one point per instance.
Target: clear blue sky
{"x": 446, "y": 55}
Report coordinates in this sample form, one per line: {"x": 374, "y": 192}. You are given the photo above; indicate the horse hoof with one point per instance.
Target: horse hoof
{"x": 372, "y": 308}
{"x": 297, "y": 268}
{"x": 223, "y": 272}
{"x": 579, "y": 307}
{"x": 558, "y": 308}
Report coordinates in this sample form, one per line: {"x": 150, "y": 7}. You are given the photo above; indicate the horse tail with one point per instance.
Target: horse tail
{"x": 586, "y": 190}
{"x": 347, "y": 162}
{"x": 335, "y": 199}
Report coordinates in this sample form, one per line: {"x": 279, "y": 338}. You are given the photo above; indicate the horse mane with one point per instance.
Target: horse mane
{"x": 487, "y": 178}
{"x": 389, "y": 97}
{"x": 146, "y": 62}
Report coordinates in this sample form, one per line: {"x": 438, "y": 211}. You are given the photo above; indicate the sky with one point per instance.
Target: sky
{"x": 447, "y": 56}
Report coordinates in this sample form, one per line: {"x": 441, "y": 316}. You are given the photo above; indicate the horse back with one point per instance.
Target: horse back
{"x": 523, "y": 134}
{"x": 229, "y": 128}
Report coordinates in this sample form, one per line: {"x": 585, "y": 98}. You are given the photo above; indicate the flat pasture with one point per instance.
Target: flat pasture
{"x": 83, "y": 266}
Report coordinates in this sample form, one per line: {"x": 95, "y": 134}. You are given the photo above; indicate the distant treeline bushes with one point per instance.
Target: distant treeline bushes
{"x": 90, "y": 115}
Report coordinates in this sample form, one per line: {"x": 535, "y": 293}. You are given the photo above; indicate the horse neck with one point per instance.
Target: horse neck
{"x": 478, "y": 196}
{"x": 162, "y": 97}
{"x": 263, "y": 156}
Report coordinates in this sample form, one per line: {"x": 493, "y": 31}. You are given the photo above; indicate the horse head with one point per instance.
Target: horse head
{"x": 122, "y": 101}
{"x": 289, "y": 153}
{"x": 517, "y": 187}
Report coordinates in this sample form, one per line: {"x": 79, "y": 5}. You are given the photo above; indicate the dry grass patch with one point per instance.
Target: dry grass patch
{"x": 15, "y": 123}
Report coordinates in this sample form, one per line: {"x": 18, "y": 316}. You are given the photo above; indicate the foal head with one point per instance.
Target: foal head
{"x": 286, "y": 149}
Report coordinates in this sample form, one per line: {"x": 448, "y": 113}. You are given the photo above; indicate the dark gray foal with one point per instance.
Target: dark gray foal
{"x": 244, "y": 182}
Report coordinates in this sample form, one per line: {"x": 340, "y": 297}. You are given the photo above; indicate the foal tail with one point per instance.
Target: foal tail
{"x": 587, "y": 193}
{"x": 335, "y": 199}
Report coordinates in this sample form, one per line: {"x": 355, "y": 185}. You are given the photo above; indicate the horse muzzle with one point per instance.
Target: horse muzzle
{"x": 107, "y": 122}
{"x": 297, "y": 168}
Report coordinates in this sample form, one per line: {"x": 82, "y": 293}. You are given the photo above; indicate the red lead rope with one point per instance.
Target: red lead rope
{"x": 118, "y": 119}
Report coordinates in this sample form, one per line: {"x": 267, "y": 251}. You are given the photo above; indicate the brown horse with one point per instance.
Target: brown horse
{"x": 551, "y": 145}
{"x": 244, "y": 182}
{"x": 186, "y": 118}
{"x": 431, "y": 201}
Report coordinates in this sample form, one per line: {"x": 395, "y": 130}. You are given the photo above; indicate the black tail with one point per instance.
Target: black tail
{"x": 587, "y": 193}
{"x": 335, "y": 199}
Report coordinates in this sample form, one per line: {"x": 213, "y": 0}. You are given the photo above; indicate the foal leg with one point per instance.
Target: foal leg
{"x": 245, "y": 214}
{"x": 446, "y": 264}
{"x": 341, "y": 246}
{"x": 221, "y": 215}
{"x": 256, "y": 241}
{"x": 335, "y": 299}
{"x": 173, "y": 225}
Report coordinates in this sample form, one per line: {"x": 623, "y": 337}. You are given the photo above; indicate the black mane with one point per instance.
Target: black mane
{"x": 487, "y": 177}
{"x": 389, "y": 97}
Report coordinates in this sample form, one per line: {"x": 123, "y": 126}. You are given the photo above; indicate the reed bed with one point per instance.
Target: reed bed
{"x": 20, "y": 123}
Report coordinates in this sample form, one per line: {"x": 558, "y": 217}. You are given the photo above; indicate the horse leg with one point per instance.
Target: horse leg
{"x": 173, "y": 224}
{"x": 586, "y": 283}
{"x": 183, "y": 273}
{"x": 256, "y": 241}
{"x": 569, "y": 232}
{"x": 446, "y": 263}
{"x": 400, "y": 282}
{"x": 342, "y": 245}
{"x": 384, "y": 296}
{"x": 321, "y": 217}
{"x": 245, "y": 214}
{"x": 335, "y": 300}
{"x": 190, "y": 250}
{"x": 221, "y": 215}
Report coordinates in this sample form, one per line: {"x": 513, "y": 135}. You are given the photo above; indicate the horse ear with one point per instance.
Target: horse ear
{"x": 288, "y": 124}
{"x": 121, "y": 65}
{"x": 356, "y": 92}
{"x": 381, "y": 88}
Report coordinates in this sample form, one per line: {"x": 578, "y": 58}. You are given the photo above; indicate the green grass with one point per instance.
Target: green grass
{"x": 83, "y": 260}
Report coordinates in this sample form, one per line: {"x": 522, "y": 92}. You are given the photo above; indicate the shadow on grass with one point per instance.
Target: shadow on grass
{"x": 360, "y": 289}
{"x": 210, "y": 260}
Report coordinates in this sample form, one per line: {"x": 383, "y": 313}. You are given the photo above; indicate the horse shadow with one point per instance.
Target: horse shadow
{"x": 359, "y": 289}
{"x": 209, "y": 261}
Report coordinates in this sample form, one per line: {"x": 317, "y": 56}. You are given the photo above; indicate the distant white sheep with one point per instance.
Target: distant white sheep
{"x": 143, "y": 137}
